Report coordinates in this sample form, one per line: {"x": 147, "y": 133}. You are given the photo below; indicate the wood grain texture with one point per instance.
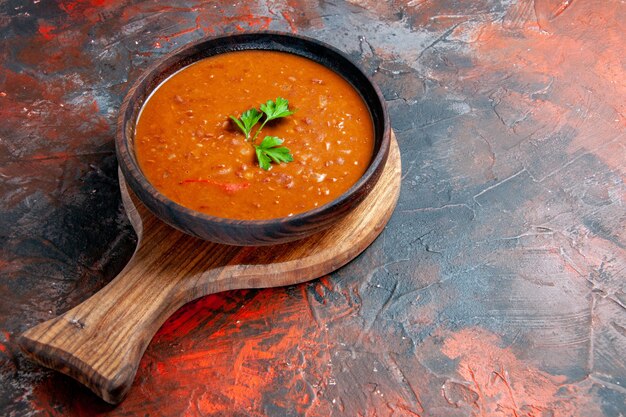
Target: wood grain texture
{"x": 101, "y": 341}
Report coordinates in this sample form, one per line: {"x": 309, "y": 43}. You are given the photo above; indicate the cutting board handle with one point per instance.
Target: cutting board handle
{"x": 101, "y": 341}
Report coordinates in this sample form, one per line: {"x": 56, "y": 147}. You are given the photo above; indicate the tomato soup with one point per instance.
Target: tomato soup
{"x": 191, "y": 151}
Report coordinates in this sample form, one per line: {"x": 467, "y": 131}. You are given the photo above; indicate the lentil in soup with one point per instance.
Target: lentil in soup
{"x": 190, "y": 150}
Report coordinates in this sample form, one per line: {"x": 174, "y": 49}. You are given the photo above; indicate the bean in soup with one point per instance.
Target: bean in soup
{"x": 190, "y": 150}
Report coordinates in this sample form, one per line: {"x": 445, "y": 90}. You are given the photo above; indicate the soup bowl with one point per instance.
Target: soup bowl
{"x": 250, "y": 232}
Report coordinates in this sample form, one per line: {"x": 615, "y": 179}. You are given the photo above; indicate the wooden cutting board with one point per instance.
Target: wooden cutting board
{"x": 101, "y": 341}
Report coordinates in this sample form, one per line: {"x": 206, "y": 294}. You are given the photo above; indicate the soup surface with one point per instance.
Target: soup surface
{"x": 191, "y": 151}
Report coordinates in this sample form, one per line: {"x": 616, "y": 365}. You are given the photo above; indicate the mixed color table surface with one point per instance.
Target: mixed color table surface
{"x": 497, "y": 289}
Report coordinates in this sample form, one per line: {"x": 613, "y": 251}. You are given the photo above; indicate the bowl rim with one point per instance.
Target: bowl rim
{"x": 130, "y": 166}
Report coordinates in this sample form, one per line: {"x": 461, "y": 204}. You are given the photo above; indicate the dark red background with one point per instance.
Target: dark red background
{"x": 497, "y": 288}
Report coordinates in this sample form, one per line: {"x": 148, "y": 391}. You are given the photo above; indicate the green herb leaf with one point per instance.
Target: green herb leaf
{"x": 248, "y": 119}
{"x": 264, "y": 160}
{"x": 270, "y": 150}
{"x": 275, "y": 110}
{"x": 239, "y": 124}
{"x": 271, "y": 142}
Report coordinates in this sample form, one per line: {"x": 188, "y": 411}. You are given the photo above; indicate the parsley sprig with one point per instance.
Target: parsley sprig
{"x": 247, "y": 121}
{"x": 270, "y": 149}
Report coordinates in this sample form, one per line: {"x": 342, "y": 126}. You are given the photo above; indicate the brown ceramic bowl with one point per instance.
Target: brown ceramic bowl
{"x": 250, "y": 232}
